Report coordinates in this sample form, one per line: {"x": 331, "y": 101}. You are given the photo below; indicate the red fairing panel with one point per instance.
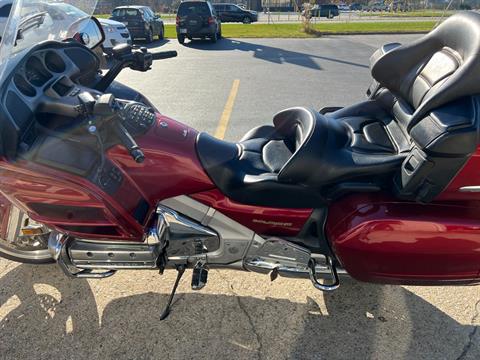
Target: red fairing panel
{"x": 74, "y": 205}
{"x": 379, "y": 239}
{"x": 68, "y": 203}
{"x": 262, "y": 220}
{"x": 171, "y": 165}
{"x": 468, "y": 176}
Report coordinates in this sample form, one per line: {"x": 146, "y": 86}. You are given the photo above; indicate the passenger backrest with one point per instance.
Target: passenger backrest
{"x": 438, "y": 68}
{"x": 432, "y": 75}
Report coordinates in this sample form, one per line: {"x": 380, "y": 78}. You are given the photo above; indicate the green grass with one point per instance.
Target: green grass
{"x": 295, "y": 30}
{"x": 417, "y": 13}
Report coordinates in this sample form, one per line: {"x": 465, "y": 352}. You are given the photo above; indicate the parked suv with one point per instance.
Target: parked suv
{"x": 234, "y": 13}
{"x": 140, "y": 21}
{"x": 197, "y": 19}
{"x": 328, "y": 11}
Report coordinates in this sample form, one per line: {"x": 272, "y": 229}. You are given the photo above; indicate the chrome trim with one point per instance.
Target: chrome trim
{"x": 171, "y": 220}
{"x": 322, "y": 271}
{"x": 281, "y": 257}
{"x": 186, "y": 239}
{"x": 15, "y": 221}
{"x": 473, "y": 188}
{"x": 252, "y": 179}
{"x": 333, "y": 273}
{"x": 266, "y": 255}
{"x": 55, "y": 244}
{"x": 24, "y": 247}
{"x": 86, "y": 254}
{"x": 58, "y": 246}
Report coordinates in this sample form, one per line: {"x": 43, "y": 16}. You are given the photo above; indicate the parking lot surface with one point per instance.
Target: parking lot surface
{"x": 43, "y": 314}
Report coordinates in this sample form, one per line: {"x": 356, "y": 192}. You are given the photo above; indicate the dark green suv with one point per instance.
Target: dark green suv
{"x": 197, "y": 19}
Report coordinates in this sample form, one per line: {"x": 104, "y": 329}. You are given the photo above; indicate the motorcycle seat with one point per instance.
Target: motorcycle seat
{"x": 293, "y": 162}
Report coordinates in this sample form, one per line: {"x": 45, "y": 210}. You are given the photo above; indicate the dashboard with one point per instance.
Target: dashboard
{"x": 48, "y": 72}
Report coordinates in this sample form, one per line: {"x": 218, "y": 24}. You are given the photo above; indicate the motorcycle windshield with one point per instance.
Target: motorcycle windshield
{"x": 25, "y": 23}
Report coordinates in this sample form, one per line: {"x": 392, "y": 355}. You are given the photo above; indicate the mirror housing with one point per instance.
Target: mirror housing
{"x": 88, "y": 31}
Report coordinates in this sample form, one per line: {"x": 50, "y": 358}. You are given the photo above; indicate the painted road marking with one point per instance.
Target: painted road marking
{"x": 227, "y": 111}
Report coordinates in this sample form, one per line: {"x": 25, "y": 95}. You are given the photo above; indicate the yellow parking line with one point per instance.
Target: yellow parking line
{"x": 227, "y": 111}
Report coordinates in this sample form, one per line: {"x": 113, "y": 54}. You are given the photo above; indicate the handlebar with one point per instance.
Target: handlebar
{"x": 164, "y": 55}
{"x": 136, "y": 59}
{"x": 128, "y": 141}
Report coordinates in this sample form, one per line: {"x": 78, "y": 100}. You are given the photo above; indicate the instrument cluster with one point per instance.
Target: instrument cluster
{"x": 51, "y": 70}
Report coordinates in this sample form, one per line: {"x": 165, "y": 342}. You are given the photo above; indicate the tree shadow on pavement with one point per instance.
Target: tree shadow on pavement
{"x": 269, "y": 53}
{"x": 51, "y": 316}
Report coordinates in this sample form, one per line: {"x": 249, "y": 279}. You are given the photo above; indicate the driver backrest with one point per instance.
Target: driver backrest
{"x": 438, "y": 68}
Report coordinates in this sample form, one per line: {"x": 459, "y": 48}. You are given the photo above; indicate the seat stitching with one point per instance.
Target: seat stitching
{"x": 424, "y": 78}
{"x": 453, "y": 55}
{"x": 425, "y": 93}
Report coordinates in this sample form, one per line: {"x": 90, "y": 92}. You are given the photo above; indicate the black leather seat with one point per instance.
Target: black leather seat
{"x": 416, "y": 130}
{"x": 290, "y": 163}
{"x": 249, "y": 171}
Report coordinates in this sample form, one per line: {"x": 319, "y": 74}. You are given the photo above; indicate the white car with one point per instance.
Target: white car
{"x": 116, "y": 33}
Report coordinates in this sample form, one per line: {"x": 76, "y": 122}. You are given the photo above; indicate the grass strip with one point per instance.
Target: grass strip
{"x": 295, "y": 30}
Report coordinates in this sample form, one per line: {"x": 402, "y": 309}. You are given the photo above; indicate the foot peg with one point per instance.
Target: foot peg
{"x": 333, "y": 272}
{"x": 58, "y": 245}
{"x": 199, "y": 276}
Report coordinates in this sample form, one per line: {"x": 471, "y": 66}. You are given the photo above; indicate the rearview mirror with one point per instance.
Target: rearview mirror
{"x": 88, "y": 32}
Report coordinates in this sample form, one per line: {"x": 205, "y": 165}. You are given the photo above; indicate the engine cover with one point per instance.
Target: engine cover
{"x": 184, "y": 238}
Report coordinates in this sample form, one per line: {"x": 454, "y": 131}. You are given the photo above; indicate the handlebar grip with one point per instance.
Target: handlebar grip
{"x": 127, "y": 141}
{"x": 164, "y": 55}
{"x": 137, "y": 155}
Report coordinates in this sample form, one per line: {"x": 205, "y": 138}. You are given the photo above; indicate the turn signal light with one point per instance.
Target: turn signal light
{"x": 211, "y": 20}
{"x": 32, "y": 231}
{"x": 177, "y": 20}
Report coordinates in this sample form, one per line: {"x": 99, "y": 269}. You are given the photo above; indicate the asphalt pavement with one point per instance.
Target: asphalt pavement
{"x": 44, "y": 315}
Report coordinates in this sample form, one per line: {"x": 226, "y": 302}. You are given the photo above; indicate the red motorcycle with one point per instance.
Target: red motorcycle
{"x": 386, "y": 190}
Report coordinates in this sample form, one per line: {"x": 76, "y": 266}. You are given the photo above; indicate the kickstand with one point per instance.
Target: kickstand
{"x": 166, "y": 311}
